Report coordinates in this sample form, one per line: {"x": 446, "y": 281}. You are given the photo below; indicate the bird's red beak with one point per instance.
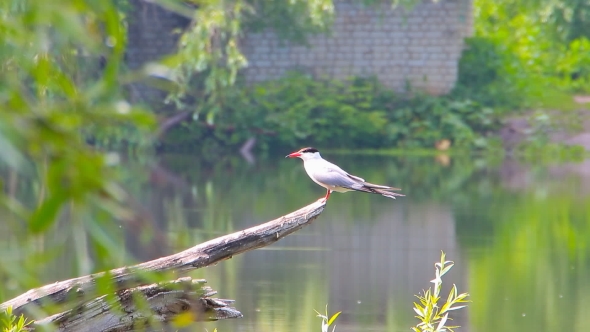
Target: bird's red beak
{"x": 293, "y": 155}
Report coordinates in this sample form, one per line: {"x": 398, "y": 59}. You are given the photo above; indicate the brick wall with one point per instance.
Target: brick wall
{"x": 421, "y": 46}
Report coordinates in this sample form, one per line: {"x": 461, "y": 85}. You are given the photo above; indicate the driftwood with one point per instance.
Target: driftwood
{"x": 164, "y": 300}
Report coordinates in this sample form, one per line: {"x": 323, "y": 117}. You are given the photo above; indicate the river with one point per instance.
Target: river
{"x": 519, "y": 235}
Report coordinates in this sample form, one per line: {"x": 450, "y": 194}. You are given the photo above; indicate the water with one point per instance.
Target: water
{"x": 518, "y": 234}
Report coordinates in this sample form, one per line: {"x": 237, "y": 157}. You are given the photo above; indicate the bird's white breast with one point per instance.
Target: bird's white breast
{"x": 315, "y": 166}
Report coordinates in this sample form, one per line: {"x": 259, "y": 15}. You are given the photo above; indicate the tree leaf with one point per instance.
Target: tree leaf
{"x": 333, "y": 318}
{"x": 419, "y": 310}
{"x": 44, "y": 216}
{"x": 455, "y": 308}
{"x": 442, "y": 323}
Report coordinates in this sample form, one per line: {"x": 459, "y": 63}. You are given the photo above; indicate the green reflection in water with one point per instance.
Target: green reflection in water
{"x": 533, "y": 275}
{"x": 518, "y": 246}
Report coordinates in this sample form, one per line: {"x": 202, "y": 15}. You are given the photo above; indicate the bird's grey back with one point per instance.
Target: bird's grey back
{"x": 325, "y": 172}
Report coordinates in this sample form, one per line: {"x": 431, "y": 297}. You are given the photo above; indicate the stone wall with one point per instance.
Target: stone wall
{"x": 421, "y": 46}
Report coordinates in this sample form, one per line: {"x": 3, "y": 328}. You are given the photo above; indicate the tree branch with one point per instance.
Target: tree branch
{"x": 205, "y": 254}
{"x": 122, "y": 313}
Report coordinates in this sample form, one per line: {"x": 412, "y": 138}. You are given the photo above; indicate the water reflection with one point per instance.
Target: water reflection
{"x": 519, "y": 235}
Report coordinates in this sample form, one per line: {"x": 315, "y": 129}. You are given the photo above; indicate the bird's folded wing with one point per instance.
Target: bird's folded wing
{"x": 371, "y": 185}
{"x": 335, "y": 177}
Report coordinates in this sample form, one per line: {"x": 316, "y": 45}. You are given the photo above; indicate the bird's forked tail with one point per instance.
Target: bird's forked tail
{"x": 386, "y": 193}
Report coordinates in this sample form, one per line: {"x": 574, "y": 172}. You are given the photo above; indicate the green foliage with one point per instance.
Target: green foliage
{"x": 211, "y": 60}
{"x": 216, "y": 55}
{"x": 10, "y": 323}
{"x": 298, "y": 110}
{"x": 433, "y": 318}
{"x": 566, "y": 20}
{"x": 573, "y": 65}
{"x": 62, "y": 85}
{"x": 56, "y": 94}
{"x": 291, "y": 21}
{"x": 423, "y": 120}
{"x": 327, "y": 322}
{"x": 486, "y": 75}
{"x": 542, "y": 45}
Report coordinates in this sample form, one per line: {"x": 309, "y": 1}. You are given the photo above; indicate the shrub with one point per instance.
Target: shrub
{"x": 539, "y": 47}
{"x": 359, "y": 113}
{"x": 573, "y": 66}
{"x": 487, "y": 75}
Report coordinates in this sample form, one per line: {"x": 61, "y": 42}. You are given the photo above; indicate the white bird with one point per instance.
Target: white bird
{"x": 334, "y": 178}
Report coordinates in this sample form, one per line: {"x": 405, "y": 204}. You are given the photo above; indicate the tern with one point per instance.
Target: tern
{"x": 334, "y": 178}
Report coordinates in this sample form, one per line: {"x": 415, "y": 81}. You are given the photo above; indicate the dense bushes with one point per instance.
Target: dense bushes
{"x": 526, "y": 54}
{"x": 487, "y": 76}
{"x": 536, "y": 47}
{"x": 298, "y": 110}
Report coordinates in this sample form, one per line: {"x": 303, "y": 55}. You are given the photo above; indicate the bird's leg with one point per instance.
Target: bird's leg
{"x": 325, "y": 198}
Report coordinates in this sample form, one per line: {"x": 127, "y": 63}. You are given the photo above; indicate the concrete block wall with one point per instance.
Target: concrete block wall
{"x": 421, "y": 46}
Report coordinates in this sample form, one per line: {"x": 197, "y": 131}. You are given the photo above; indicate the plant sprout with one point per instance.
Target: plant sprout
{"x": 326, "y": 322}
{"x": 433, "y": 318}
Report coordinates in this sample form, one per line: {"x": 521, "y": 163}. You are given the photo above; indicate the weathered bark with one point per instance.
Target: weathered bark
{"x": 166, "y": 301}
{"x": 127, "y": 278}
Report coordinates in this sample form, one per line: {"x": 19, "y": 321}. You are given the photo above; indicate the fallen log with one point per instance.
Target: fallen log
{"x": 92, "y": 307}
{"x": 165, "y": 300}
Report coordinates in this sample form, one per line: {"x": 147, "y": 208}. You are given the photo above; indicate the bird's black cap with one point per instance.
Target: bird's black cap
{"x": 309, "y": 149}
